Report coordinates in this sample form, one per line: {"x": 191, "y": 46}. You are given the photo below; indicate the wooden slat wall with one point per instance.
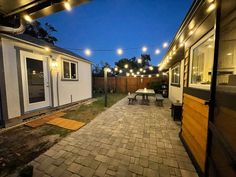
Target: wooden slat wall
{"x": 195, "y": 126}
{"x": 125, "y": 84}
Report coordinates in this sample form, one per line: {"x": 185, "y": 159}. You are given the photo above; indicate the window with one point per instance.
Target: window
{"x": 70, "y": 71}
{"x": 175, "y": 75}
{"x": 201, "y": 61}
{"x": 226, "y": 75}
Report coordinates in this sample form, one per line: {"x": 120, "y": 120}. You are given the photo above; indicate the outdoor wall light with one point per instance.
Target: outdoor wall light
{"x": 54, "y": 64}
{"x": 27, "y": 18}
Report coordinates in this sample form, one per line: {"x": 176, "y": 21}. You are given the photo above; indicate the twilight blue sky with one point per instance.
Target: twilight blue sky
{"x": 110, "y": 24}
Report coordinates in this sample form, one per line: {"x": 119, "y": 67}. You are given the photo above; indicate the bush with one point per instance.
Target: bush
{"x": 155, "y": 86}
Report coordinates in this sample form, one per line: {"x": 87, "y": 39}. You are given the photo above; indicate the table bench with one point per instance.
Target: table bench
{"x": 159, "y": 99}
{"x": 132, "y": 98}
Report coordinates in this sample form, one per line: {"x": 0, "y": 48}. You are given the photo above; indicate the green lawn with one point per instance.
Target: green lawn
{"x": 86, "y": 113}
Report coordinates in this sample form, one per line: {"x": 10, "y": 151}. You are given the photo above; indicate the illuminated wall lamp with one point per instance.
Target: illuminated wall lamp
{"x": 54, "y": 64}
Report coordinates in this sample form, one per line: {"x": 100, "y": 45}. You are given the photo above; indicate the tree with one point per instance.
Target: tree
{"x": 132, "y": 62}
{"x": 98, "y": 69}
{"x": 39, "y": 31}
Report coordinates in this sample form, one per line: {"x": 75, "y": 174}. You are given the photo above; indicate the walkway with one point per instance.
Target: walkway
{"x": 125, "y": 140}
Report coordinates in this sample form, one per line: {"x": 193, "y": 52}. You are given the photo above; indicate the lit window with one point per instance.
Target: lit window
{"x": 175, "y": 75}
{"x": 201, "y": 62}
{"x": 70, "y": 71}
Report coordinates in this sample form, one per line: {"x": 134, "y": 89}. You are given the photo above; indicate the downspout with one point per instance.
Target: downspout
{"x": 12, "y": 30}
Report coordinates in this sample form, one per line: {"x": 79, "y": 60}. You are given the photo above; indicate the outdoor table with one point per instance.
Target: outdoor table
{"x": 145, "y": 93}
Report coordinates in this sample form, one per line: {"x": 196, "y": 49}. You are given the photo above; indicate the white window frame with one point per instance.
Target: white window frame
{"x": 76, "y": 70}
{"x": 202, "y": 40}
{"x": 172, "y": 70}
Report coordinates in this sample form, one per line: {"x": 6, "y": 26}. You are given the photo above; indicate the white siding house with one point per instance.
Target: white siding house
{"x": 36, "y": 78}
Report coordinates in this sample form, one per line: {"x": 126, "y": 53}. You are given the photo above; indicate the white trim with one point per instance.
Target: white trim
{"x": 173, "y": 68}
{"x": 76, "y": 70}
{"x": 33, "y": 106}
{"x": 202, "y": 40}
{"x": 42, "y": 47}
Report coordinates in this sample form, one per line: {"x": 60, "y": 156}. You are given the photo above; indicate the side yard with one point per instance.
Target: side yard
{"x": 22, "y": 144}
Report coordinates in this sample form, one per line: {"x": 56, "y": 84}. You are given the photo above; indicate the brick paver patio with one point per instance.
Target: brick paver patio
{"x": 125, "y": 140}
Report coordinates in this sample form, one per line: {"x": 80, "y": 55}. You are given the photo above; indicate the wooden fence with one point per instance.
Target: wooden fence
{"x": 124, "y": 84}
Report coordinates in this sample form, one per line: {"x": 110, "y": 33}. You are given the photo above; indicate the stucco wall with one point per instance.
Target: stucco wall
{"x": 77, "y": 90}
{"x": 11, "y": 78}
{"x": 176, "y": 93}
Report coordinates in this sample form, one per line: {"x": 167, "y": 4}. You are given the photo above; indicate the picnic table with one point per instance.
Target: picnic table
{"x": 145, "y": 93}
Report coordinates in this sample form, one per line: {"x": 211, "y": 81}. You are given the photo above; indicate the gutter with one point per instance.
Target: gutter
{"x": 11, "y": 30}
{"x": 42, "y": 47}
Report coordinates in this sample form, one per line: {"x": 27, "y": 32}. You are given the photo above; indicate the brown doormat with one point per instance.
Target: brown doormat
{"x": 43, "y": 120}
{"x": 66, "y": 123}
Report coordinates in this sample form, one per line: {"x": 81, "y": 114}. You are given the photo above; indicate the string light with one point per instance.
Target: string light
{"x": 126, "y": 66}
{"x": 116, "y": 69}
{"x": 27, "y": 18}
{"x": 131, "y": 70}
{"x": 67, "y": 6}
{"x": 138, "y": 73}
{"x": 165, "y": 45}
{"x": 144, "y": 71}
{"x": 141, "y": 69}
{"x": 119, "y": 51}
{"x": 149, "y": 75}
{"x": 120, "y": 71}
{"x": 127, "y": 74}
{"x": 87, "y": 52}
{"x": 144, "y": 49}
{"x": 139, "y": 60}
{"x": 157, "y": 51}
{"x": 150, "y": 68}
{"x": 157, "y": 75}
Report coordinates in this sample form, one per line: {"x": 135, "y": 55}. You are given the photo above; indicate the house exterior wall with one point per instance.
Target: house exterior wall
{"x": 176, "y": 92}
{"x": 67, "y": 91}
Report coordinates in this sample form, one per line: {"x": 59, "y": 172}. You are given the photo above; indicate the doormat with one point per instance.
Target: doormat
{"x": 66, "y": 123}
{"x": 43, "y": 120}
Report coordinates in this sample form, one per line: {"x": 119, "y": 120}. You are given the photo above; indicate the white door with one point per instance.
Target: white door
{"x": 35, "y": 81}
